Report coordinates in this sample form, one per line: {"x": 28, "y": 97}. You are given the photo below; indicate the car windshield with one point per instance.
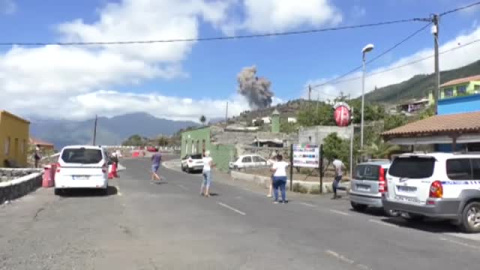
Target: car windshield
{"x": 412, "y": 167}
{"x": 82, "y": 155}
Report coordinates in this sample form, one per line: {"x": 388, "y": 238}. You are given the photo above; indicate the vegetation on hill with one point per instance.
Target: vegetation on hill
{"x": 419, "y": 86}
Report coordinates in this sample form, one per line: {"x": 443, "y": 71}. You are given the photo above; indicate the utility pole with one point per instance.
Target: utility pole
{"x": 95, "y": 130}
{"x": 226, "y": 114}
{"x": 435, "y": 31}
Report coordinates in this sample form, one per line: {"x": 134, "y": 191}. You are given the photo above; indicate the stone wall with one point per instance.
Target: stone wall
{"x": 15, "y": 183}
{"x": 316, "y": 135}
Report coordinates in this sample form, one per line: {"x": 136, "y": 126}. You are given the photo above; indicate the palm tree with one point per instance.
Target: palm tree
{"x": 380, "y": 149}
{"x": 203, "y": 119}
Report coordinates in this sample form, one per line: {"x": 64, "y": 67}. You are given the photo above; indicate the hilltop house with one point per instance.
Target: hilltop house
{"x": 456, "y": 127}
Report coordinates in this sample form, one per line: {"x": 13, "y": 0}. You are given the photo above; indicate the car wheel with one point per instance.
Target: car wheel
{"x": 58, "y": 192}
{"x": 104, "y": 192}
{"x": 470, "y": 222}
{"x": 189, "y": 170}
{"x": 358, "y": 207}
{"x": 413, "y": 217}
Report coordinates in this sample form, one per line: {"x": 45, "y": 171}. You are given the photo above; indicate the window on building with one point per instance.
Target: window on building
{"x": 448, "y": 92}
{"x": 476, "y": 88}
{"x": 461, "y": 90}
{"x": 7, "y": 146}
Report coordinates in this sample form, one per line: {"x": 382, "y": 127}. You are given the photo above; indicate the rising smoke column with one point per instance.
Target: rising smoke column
{"x": 256, "y": 90}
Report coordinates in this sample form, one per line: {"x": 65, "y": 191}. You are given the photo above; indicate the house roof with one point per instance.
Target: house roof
{"x": 36, "y": 141}
{"x": 439, "y": 124}
{"x": 14, "y": 116}
{"x": 461, "y": 80}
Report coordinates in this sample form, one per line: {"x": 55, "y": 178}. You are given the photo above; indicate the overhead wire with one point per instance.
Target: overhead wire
{"x": 459, "y": 9}
{"x": 130, "y": 42}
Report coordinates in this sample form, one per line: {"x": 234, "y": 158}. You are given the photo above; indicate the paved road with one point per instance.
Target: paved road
{"x": 142, "y": 225}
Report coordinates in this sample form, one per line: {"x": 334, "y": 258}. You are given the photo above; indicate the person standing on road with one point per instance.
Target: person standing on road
{"x": 339, "y": 167}
{"x": 37, "y": 156}
{"x": 272, "y": 161}
{"x": 279, "y": 170}
{"x": 156, "y": 162}
{"x": 207, "y": 174}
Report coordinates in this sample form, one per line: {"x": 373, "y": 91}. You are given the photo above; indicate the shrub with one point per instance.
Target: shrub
{"x": 315, "y": 190}
{"x": 299, "y": 188}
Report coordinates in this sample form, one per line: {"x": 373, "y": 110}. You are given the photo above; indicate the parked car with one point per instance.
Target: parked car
{"x": 368, "y": 184}
{"x": 82, "y": 167}
{"x": 249, "y": 161}
{"x": 191, "y": 163}
{"x": 152, "y": 149}
{"x": 439, "y": 185}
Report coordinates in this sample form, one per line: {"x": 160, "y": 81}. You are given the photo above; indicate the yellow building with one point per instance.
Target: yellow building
{"x": 14, "y": 139}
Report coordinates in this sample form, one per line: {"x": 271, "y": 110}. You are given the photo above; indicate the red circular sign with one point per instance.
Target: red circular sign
{"x": 342, "y": 114}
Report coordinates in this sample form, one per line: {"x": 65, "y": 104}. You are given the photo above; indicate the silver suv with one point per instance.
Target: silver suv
{"x": 368, "y": 185}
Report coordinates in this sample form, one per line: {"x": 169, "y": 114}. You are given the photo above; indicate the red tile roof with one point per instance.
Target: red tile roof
{"x": 461, "y": 80}
{"x": 40, "y": 142}
{"x": 450, "y": 123}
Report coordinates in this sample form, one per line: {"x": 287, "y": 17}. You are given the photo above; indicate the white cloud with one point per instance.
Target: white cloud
{"x": 455, "y": 59}
{"x": 64, "y": 81}
{"x": 282, "y": 15}
{"x": 111, "y": 103}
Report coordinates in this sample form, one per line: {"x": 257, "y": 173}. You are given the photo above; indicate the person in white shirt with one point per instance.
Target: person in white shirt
{"x": 339, "y": 167}
{"x": 270, "y": 188}
{"x": 207, "y": 174}
{"x": 279, "y": 170}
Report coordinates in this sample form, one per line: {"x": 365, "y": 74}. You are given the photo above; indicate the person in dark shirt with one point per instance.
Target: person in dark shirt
{"x": 156, "y": 162}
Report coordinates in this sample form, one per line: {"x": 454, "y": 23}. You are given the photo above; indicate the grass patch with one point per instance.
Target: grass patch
{"x": 299, "y": 188}
{"x": 315, "y": 190}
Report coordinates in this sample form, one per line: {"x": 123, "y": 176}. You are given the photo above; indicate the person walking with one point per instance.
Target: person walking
{"x": 156, "y": 162}
{"x": 207, "y": 174}
{"x": 37, "y": 156}
{"x": 339, "y": 167}
{"x": 279, "y": 170}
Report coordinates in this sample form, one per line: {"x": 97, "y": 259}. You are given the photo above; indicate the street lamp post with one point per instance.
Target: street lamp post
{"x": 365, "y": 50}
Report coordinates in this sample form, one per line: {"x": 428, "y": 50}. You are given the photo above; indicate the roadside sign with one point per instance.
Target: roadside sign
{"x": 306, "y": 155}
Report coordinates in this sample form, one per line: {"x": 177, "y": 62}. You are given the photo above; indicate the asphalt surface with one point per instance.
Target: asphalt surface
{"x": 144, "y": 225}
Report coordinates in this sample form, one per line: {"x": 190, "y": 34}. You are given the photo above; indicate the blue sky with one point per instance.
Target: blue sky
{"x": 183, "y": 80}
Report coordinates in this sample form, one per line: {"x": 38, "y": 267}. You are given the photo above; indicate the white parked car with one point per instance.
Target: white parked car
{"x": 249, "y": 161}
{"x": 439, "y": 185}
{"x": 191, "y": 163}
{"x": 82, "y": 167}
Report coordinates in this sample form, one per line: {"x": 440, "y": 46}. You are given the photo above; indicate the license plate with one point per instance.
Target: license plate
{"x": 363, "y": 188}
{"x": 406, "y": 189}
{"x": 407, "y": 199}
{"x": 80, "y": 177}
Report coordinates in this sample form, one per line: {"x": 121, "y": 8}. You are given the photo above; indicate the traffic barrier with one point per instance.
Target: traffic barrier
{"x": 48, "y": 176}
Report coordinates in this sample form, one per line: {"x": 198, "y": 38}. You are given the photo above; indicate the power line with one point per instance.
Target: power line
{"x": 375, "y": 58}
{"x": 459, "y": 9}
{"x": 409, "y": 63}
{"x": 99, "y": 43}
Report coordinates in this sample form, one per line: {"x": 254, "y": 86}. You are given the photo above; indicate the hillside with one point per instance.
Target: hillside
{"x": 110, "y": 131}
{"x": 419, "y": 86}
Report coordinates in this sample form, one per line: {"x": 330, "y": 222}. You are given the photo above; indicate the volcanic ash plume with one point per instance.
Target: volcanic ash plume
{"x": 256, "y": 90}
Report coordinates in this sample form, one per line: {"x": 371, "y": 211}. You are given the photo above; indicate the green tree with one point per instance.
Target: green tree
{"x": 135, "y": 140}
{"x": 394, "y": 121}
{"x": 320, "y": 115}
{"x": 380, "y": 149}
{"x": 430, "y": 111}
{"x": 287, "y": 127}
{"x": 203, "y": 119}
{"x": 163, "y": 141}
{"x": 336, "y": 147}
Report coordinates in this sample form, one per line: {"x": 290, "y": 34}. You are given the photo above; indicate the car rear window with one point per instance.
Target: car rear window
{"x": 82, "y": 155}
{"x": 199, "y": 156}
{"x": 412, "y": 167}
{"x": 367, "y": 172}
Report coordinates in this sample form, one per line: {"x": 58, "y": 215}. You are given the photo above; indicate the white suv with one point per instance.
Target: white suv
{"x": 439, "y": 185}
